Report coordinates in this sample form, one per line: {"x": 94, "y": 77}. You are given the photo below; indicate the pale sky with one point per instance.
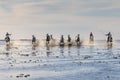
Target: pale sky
{"x": 23, "y": 18}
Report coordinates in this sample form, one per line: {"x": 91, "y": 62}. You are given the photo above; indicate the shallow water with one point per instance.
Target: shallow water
{"x": 86, "y": 62}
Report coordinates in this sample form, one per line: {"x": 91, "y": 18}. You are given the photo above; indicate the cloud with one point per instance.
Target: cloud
{"x": 69, "y": 7}
{"x": 55, "y": 15}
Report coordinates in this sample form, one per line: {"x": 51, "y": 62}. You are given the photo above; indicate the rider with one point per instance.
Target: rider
{"x": 7, "y": 38}
{"x": 47, "y": 38}
{"x": 91, "y": 37}
{"x": 109, "y": 38}
{"x": 69, "y": 38}
{"x": 7, "y": 34}
{"x": 62, "y": 39}
{"x": 78, "y": 39}
{"x": 33, "y": 39}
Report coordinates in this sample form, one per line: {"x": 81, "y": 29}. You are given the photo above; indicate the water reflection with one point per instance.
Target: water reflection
{"x": 33, "y": 47}
{"x": 78, "y": 50}
{"x": 7, "y": 50}
{"x": 109, "y": 49}
{"x": 62, "y": 50}
{"x": 34, "y": 50}
{"x": 7, "y": 54}
{"x": 8, "y": 47}
{"x": 91, "y": 48}
{"x": 109, "y": 52}
{"x": 48, "y": 52}
{"x": 69, "y": 50}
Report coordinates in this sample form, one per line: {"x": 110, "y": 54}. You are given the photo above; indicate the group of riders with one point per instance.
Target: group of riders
{"x": 62, "y": 41}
